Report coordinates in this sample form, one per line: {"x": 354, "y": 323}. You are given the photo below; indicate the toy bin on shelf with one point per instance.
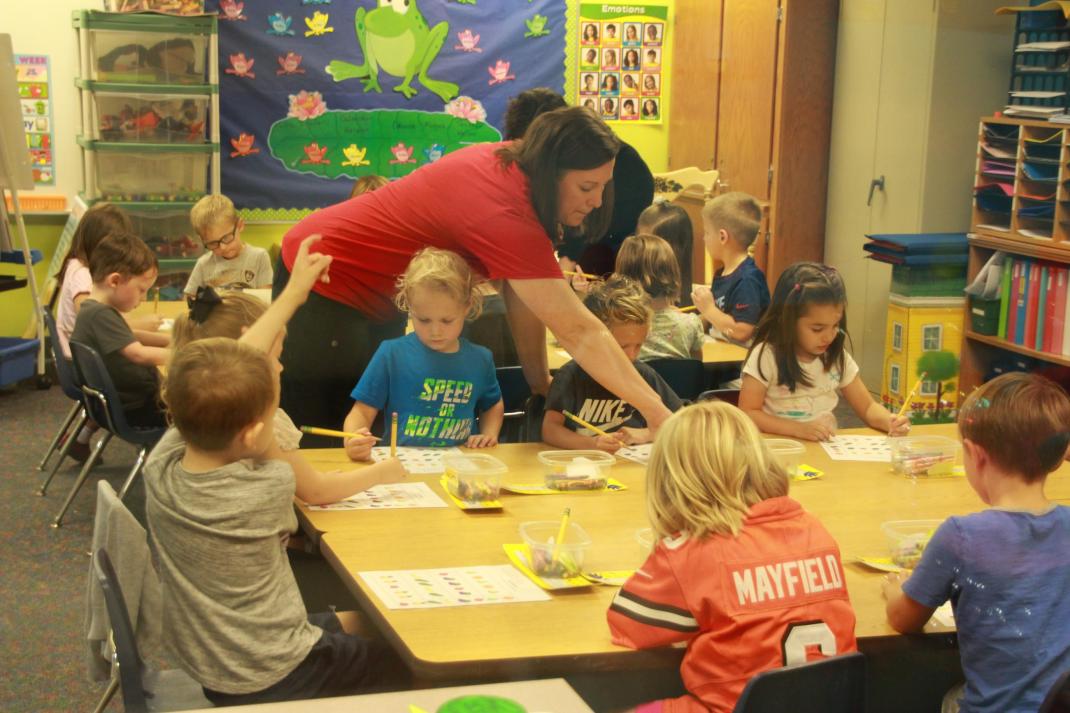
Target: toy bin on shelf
{"x": 17, "y": 359}
{"x": 127, "y": 112}
{"x": 144, "y": 49}
{"x": 174, "y": 274}
{"x": 145, "y": 172}
{"x": 165, "y": 227}
{"x": 168, "y": 7}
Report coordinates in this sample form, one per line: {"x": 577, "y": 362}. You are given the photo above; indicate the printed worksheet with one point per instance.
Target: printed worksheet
{"x": 389, "y": 497}
{"x": 865, "y": 448}
{"x": 452, "y": 587}
{"x": 639, "y": 454}
{"x": 417, "y": 460}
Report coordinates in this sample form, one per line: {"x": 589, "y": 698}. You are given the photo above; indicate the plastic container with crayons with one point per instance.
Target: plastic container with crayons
{"x": 919, "y": 456}
{"x": 474, "y": 478}
{"x": 575, "y": 470}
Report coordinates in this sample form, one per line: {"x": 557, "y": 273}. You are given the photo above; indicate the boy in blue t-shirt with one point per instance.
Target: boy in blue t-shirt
{"x": 1006, "y": 570}
{"x": 739, "y": 295}
{"x": 434, "y": 380}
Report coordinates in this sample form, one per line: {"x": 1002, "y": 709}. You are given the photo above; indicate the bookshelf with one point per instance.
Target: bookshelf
{"x": 1021, "y": 206}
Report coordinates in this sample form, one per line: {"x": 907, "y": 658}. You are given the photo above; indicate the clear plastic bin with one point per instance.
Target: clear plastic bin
{"x": 788, "y": 452}
{"x": 147, "y": 57}
{"x": 540, "y": 537}
{"x": 154, "y": 118}
{"x": 907, "y": 540}
{"x": 167, "y": 231}
{"x": 474, "y": 478}
{"x": 576, "y": 470}
{"x": 924, "y": 455}
{"x": 131, "y": 176}
{"x": 169, "y": 7}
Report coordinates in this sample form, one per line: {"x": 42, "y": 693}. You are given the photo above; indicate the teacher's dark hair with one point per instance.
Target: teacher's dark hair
{"x": 569, "y": 139}
{"x": 525, "y": 106}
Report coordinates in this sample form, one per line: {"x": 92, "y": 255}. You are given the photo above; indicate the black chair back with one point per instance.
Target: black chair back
{"x": 833, "y": 685}
{"x": 130, "y": 665}
{"x": 523, "y": 412}
{"x": 687, "y": 377}
{"x": 730, "y": 396}
{"x": 64, "y": 370}
{"x": 1058, "y": 698}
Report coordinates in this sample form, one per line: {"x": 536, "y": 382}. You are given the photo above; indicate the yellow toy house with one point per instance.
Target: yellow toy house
{"x": 929, "y": 327}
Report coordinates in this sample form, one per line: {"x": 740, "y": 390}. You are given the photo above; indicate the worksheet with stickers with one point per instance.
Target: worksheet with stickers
{"x": 865, "y": 448}
{"x": 417, "y": 460}
{"x": 452, "y": 587}
{"x": 392, "y": 496}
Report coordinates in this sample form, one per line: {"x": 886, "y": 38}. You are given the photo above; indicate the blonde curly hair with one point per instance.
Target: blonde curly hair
{"x": 442, "y": 271}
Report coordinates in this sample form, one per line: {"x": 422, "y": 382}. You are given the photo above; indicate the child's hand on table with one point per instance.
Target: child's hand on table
{"x": 609, "y": 444}
{"x": 360, "y": 449}
{"x": 892, "y": 584}
{"x": 820, "y": 429}
{"x": 479, "y": 440}
{"x": 632, "y": 436}
{"x": 393, "y": 471}
{"x": 308, "y": 268}
{"x": 147, "y": 322}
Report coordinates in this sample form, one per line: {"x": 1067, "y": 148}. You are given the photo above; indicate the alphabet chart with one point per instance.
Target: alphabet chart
{"x": 865, "y": 448}
{"x": 388, "y": 497}
{"x": 452, "y": 587}
{"x": 423, "y": 461}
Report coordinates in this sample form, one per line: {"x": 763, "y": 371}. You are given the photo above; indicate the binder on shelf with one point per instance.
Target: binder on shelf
{"x": 1066, "y": 319}
{"x": 1012, "y": 308}
{"x": 1040, "y": 307}
{"x": 1005, "y": 294}
{"x": 1032, "y": 296}
{"x": 1056, "y": 311}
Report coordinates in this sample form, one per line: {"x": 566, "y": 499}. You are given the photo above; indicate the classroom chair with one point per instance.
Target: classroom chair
{"x": 102, "y": 403}
{"x": 523, "y": 412}
{"x": 67, "y": 382}
{"x": 833, "y": 685}
{"x": 1058, "y": 698}
{"x": 730, "y": 396}
{"x": 687, "y": 377}
{"x": 143, "y": 688}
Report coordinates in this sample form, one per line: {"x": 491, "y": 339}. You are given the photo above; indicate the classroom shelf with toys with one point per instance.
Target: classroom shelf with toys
{"x": 149, "y": 88}
{"x": 1021, "y": 208}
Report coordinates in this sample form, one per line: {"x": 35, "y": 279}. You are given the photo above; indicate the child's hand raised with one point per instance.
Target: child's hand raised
{"x": 308, "y": 268}
{"x": 360, "y": 449}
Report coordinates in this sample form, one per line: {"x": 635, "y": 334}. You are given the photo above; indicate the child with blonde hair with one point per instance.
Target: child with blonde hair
{"x": 739, "y": 295}
{"x": 229, "y": 263}
{"x": 624, "y": 308}
{"x": 436, "y": 381}
{"x": 740, "y": 572}
{"x": 1005, "y": 569}
{"x": 798, "y": 362}
{"x": 650, "y": 261}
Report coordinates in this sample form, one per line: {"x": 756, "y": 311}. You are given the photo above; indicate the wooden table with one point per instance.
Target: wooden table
{"x": 714, "y": 352}
{"x": 570, "y": 634}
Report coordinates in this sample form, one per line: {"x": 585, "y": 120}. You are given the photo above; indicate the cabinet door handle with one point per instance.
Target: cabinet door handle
{"x": 875, "y": 184}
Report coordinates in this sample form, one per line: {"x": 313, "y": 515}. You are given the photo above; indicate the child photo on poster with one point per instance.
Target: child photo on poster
{"x": 653, "y": 34}
{"x": 590, "y": 33}
{"x": 590, "y": 59}
{"x": 651, "y": 110}
{"x": 610, "y": 61}
{"x": 628, "y": 110}
{"x": 652, "y": 58}
{"x": 651, "y": 85}
{"x": 589, "y": 83}
{"x": 610, "y": 84}
{"x": 609, "y": 108}
{"x": 631, "y": 34}
{"x": 588, "y": 103}
{"x": 609, "y": 34}
{"x": 631, "y": 60}
{"x": 629, "y": 84}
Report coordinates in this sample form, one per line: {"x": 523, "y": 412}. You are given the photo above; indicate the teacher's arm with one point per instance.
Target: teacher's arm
{"x": 529, "y": 335}
{"x": 553, "y": 303}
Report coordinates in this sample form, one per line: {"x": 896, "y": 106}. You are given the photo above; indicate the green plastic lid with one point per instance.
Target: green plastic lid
{"x": 481, "y": 704}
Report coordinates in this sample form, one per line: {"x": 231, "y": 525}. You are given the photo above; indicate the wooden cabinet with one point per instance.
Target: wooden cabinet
{"x": 912, "y": 76}
{"x": 753, "y": 99}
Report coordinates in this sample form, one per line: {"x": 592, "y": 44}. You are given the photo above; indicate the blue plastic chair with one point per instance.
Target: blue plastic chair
{"x": 103, "y": 405}
{"x": 687, "y": 377}
{"x": 833, "y": 685}
{"x": 69, "y": 384}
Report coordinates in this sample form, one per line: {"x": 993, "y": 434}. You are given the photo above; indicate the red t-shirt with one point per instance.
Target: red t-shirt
{"x": 467, "y": 202}
{"x": 773, "y": 595}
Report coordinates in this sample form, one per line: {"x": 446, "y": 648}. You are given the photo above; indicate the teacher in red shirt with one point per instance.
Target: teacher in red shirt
{"x": 501, "y": 207}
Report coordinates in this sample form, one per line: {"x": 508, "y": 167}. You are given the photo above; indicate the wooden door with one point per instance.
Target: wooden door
{"x": 695, "y": 84}
{"x": 748, "y": 79}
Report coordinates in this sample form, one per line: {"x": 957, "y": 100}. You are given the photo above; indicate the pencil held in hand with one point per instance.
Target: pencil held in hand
{"x": 906, "y": 401}
{"x": 315, "y": 431}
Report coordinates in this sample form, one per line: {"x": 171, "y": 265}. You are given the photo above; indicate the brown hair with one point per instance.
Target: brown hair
{"x": 234, "y": 312}
{"x": 800, "y": 285}
{"x": 444, "y": 271}
{"x": 671, "y": 222}
{"x": 650, "y": 261}
{"x": 569, "y": 139}
{"x": 1021, "y": 420}
{"x": 215, "y": 388}
{"x": 619, "y": 300}
{"x": 99, "y": 221}
{"x": 736, "y": 213}
{"x": 124, "y": 253}
{"x": 367, "y": 184}
{"x": 525, "y": 106}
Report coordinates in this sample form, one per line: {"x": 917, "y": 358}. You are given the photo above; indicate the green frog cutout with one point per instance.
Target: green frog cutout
{"x": 395, "y": 37}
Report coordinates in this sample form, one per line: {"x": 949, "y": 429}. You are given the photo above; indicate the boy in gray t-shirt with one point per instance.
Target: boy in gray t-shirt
{"x": 229, "y": 263}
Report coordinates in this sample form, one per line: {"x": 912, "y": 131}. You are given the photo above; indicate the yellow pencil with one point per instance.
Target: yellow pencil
{"x": 906, "y": 401}
{"x": 586, "y": 425}
{"x": 316, "y": 431}
{"x": 560, "y": 536}
{"x": 394, "y": 435}
{"x": 689, "y": 308}
{"x": 571, "y": 273}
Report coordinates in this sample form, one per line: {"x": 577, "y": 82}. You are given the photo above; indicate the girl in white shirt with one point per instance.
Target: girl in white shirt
{"x": 798, "y": 363}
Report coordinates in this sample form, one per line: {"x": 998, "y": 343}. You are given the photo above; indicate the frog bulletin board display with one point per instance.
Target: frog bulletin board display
{"x": 620, "y": 62}
{"x": 32, "y": 78}
{"x": 315, "y": 95}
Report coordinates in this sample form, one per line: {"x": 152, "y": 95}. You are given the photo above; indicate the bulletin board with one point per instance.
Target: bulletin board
{"x": 620, "y": 65}
{"x": 305, "y": 109}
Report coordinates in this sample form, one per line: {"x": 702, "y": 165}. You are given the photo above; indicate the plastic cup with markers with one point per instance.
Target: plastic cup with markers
{"x": 788, "y": 453}
{"x": 576, "y": 470}
{"x": 474, "y": 478}
{"x": 552, "y": 555}
{"x": 924, "y": 456}
{"x": 907, "y": 540}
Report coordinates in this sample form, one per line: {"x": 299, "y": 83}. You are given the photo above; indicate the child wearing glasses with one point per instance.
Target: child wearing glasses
{"x": 229, "y": 263}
